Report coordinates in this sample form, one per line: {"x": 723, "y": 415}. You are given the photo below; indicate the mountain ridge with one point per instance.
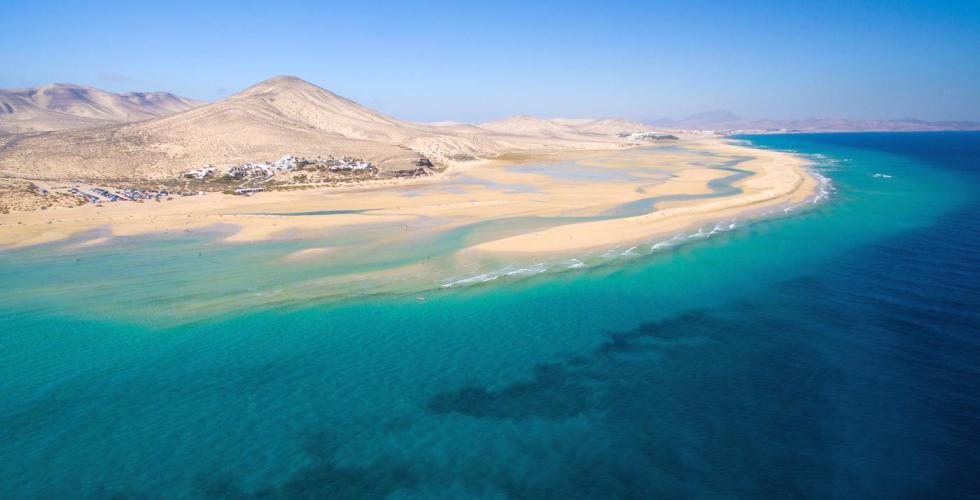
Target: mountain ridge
{"x": 721, "y": 120}
{"x": 65, "y": 106}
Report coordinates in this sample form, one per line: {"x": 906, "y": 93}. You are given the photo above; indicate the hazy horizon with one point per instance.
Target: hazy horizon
{"x": 477, "y": 63}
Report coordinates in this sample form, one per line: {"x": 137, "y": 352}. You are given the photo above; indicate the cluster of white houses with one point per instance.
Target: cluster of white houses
{"x": 287, "y": 163}
{"x": 648, "y": 136}
{"x": 350, "y": 164}
{"x": 252, "y": 176}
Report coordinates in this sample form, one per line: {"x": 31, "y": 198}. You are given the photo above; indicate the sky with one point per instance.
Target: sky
{"x": 463, "y": 61}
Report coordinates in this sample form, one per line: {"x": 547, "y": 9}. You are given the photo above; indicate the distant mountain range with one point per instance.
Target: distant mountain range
{"x": 570, "y": 128}
{"x": 63, "y": 106}
{"x": 725, "y": 121}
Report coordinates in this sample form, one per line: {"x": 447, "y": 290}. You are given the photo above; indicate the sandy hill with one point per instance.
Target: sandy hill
{"x": 63, "y": 106}
{"x": 282, "y": 115}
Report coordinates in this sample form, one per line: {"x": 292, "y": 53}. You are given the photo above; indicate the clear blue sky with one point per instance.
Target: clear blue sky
{"x": 457, "y": 61}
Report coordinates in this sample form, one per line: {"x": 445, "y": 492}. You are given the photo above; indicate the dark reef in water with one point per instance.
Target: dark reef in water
{"x": 555, "y": 392}
{"x": 655, "y": 439}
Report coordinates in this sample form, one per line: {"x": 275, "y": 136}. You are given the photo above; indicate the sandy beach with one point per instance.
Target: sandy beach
{"x": 574, "y": 189}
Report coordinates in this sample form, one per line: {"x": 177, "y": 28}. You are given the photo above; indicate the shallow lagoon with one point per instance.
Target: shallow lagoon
{"x": 418, "y": 255}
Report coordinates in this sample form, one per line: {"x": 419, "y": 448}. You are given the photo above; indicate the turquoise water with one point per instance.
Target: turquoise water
{"x": 830, "y": 353}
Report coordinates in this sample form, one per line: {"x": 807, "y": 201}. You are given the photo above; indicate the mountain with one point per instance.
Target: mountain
{"x": 282, "y": 115}
{"x": 62, "y": 106}
{"x": 709, "y": 120}
{"x": 563, "y": 127}
{"x": 724, "y": 120}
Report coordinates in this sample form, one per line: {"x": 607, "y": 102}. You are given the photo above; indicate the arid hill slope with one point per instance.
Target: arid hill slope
{"x": 282, "y": 115}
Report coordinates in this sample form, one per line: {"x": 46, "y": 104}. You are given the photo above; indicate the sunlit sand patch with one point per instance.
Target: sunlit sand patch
{"x": 689, "y": 181}
{"x": 91, "y": 242}
{"x": 410, "y": 277}
{"x": 308, "y": 254}
{"x": 258, "y": 228}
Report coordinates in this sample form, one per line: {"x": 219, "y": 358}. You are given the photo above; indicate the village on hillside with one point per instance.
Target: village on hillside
{"x": 292, "y": 172}
{"x": 287, "y": 173}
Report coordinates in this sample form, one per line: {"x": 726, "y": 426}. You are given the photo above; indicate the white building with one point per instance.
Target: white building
{"x": 200, "y": 173}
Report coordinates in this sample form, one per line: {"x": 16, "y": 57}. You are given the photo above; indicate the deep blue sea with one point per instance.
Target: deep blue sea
{"x": 830, "y": 353}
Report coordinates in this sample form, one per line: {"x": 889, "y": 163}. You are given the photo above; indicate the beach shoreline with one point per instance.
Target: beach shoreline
{"x": 580, "y": 183}
{"x": 791, "y": 184}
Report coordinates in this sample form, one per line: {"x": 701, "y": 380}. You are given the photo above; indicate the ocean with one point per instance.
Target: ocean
{"x": 830, "y": 352}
